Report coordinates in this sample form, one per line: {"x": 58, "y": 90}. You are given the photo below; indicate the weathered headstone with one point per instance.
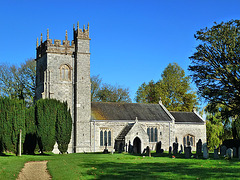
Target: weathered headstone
{"x": 148, "y": 151}
{"x": 158, "y": 147}
{"x": 229, "y": 153}
{"x": 223, "y": 150}
{"x": 188, "y": 152}
{"x": 170, "y": 150}
{"x": 205, "y": 151}
{"x": 215, "y": 156}
{"x": 199, "y": 147}
{"x": 130, "y": 147}
{"x": 126, "y": 147}
{"x": 234, "y": 152}
{"x": 175, "y": 148}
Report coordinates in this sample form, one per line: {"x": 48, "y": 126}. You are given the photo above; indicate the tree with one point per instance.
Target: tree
{"x": 173, "y": 89}
{"x": 215, "y": 65}
{"x": 46, "y": 115}
{"x": 12, "y": 120}
{"x": 19, "y": 82}
{"x": 107, "y": 93}
{"x": 63, "y": 126}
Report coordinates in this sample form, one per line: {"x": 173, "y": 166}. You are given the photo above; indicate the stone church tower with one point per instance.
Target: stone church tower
{"x": 63, "y": 73}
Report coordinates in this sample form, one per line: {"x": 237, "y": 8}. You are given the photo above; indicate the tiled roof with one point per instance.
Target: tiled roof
{"x": 128, "y": 111}
{"x": 182, "y": 117}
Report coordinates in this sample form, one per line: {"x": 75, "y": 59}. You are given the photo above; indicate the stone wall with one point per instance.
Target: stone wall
{"x": 195, "y": 129}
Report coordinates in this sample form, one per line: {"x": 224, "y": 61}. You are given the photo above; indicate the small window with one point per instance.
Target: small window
{"x": 65, "y": 73}
{"x": 189, "y": 139}
{"x": 101, "y": 138}
{"x": 109, "y": 138}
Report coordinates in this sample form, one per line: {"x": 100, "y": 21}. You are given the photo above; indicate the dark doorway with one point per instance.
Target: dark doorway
{"x": 137, "y": 146}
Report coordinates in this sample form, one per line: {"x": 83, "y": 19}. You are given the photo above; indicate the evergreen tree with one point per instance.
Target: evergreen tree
{"x": 63, "y": 127}
{"x": 46, "y": 113}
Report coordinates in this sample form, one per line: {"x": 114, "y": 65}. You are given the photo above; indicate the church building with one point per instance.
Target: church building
{"x": 63, "y": 73}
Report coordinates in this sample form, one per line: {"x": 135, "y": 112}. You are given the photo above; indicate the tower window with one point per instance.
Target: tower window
{"x": 65, "y": 73}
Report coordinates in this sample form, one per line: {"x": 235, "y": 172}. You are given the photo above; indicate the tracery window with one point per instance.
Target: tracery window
{"x": 189, "y": 139}
{"x": 152, "y": 134}
{"x": 65, "y": 73}
{"x": 105, "y": 137}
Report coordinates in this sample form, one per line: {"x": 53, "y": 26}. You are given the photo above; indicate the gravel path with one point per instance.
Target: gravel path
{"x": 34, "y": 170}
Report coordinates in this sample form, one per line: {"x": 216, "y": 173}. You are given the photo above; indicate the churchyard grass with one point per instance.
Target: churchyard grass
{"x": 124, "y": 166}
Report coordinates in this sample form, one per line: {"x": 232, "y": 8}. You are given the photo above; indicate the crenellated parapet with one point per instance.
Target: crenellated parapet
{"x": 57, "y": 46}
{"x": 81, "y": 33}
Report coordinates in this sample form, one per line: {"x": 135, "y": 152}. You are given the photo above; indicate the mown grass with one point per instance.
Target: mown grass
{"x": 124, "y": 166}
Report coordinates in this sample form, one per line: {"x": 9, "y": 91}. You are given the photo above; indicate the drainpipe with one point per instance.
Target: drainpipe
{"x": 169, "y": 134}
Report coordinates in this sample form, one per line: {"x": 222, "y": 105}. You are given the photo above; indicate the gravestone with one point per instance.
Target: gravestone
{"x": 181, "y": 149}
{"x": 158, "y": 147}
{"x": 170, "y": 150}
{"x": 205, "y": 151}
{"x": 126, "y": 147}
{"x": 239, "y": 152}
{"x": 105, "y": 151}
{"x": 223, "y": 150}
{"x": 130, "y": 147}
{"x": 234, "y": 152}
{"x": 229, "y": 153}
{"x": 148, "y": 151}
{"x": 215, "y": 153}
{"x": 188, "y": 152}
{"x": 199, "y": 147}
{"x": 175, "y": 148}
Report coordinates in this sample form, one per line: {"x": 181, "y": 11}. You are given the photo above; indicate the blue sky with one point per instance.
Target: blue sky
{"x": 132, "y": 41}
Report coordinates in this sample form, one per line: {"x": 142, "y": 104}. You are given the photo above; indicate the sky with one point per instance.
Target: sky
{"x": 132, "y": 41}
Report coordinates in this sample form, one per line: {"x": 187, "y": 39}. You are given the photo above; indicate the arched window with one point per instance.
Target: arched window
{"x": 152, "y": 133}
{"x": 189, "y": 139}
{"x": 101, "y": 138}
{"x": 148, "y": 132}
{"x": 109, "y": 138}
{"x": 105, "y": 138}
{"x": 65, "y": 73}
{"x": 156, "y": 135}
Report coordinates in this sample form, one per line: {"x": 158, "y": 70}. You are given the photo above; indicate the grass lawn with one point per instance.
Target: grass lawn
{"x": 124, "y": 166}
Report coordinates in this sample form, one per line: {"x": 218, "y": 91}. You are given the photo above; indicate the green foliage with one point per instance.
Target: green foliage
{"x": 215, "y": 65}
{"x": 19, "y": 82}
{"x": 54, "y": 123}
{"x": 46, "y": 115}
{"x": 12, "y": 120}
{"x": 31, "y": 131}
{"x": 173, "y": 89}
{"x": 63, "y": 127}
{"x": 107, "y": 93}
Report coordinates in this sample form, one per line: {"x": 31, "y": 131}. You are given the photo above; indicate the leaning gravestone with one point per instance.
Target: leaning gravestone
{"x": 199, "y": 147}
{"x": 215, "y": 153}
{"x": 148, "y": 151}
{"x": 234, "y": 152}
{"x": 229, "y": 153}
{"x": 187, "y": 152}
{"x": 223, "y": 150}
{"x": 205, "y": 151}
{"x": 175, "y": 148}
